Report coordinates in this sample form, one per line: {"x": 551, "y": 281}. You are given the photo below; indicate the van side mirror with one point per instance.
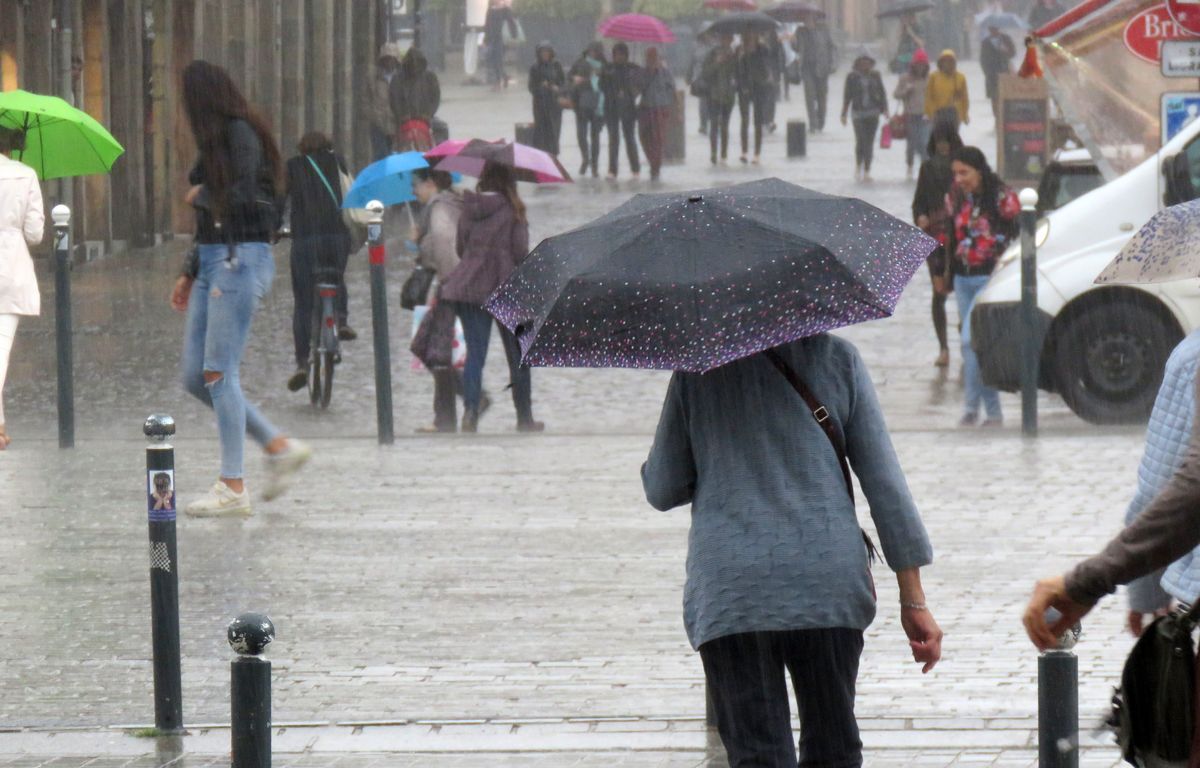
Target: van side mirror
{"x": 1177, "y": 176}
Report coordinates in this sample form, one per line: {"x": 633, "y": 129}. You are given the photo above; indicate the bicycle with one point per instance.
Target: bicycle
{"x": 324, "y": 352}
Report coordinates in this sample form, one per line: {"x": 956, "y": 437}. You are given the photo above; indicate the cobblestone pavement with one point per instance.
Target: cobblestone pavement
{"x": 499, "y": 600}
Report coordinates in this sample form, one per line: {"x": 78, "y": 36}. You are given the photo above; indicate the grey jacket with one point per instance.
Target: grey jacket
{"x": 774, "y": 542}
{"x": 437, "y": 234}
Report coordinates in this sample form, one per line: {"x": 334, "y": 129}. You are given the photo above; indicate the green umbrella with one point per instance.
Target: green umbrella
{"x": 60, "y": 140}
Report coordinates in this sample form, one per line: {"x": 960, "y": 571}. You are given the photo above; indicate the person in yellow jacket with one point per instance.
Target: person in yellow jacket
{"x": 946, "y": 92}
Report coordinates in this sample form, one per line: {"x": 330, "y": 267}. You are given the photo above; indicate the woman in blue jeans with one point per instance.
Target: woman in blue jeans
{"x": 234, "y": 185}
{"x": 983, "y": 215}
{"x": 493, "y": 238}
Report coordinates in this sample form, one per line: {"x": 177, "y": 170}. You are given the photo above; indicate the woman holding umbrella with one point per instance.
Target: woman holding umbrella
{"x": 22, "y": 224}
{"x": 235, "y": 188}
{"x": 493, "y": 238}
{"x": 547, "y": 84}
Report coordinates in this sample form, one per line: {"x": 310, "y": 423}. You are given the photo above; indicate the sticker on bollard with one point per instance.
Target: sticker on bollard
{"x": 161, "y": 491}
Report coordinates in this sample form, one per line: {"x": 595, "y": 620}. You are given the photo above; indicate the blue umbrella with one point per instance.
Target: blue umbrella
{"x": 388, "y": 180}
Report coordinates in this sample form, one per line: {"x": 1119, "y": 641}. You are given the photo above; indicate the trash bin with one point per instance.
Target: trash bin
{"x": 797, "y": 138}
{"x": 523, "y": 132}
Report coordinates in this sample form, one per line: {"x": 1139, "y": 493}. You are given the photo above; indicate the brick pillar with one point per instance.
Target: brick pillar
{"x": 96, "y": 198}
{"x": 126, "y": 118}
{"x": 181, "y": 147}
{"x": 36, "y": 69}
{"x": 267, "y": 74}
{"x": 295, "y": 88}
{"x": 12, "y": 44}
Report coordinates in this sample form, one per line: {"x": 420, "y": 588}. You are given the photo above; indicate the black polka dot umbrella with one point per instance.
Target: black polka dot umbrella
{"x": 692, "y": 281}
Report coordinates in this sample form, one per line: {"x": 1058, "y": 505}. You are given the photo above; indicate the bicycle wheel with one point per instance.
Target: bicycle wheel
{"x": 327, "y": 388}
{"x": 314, "y": 379}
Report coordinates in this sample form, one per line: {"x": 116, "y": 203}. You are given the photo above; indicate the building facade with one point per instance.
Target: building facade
{"x": 305, "y": 64}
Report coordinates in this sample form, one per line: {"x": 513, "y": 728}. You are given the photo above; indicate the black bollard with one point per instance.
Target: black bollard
{"x": 1058, "y": 702}
{"x": 379, "y": 324}
{"x": 1031, "y": 337}
{"x": 164, "y": 574}
{"x": 62, "y": 325}
{"x": 250, "y": 691}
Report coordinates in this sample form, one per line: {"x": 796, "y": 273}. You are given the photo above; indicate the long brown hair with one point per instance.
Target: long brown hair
{"x": 211, "y": 100}
{"x": 499, "y": 178}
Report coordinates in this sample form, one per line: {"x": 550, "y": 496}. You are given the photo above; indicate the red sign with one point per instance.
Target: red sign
{"x": 1146, "y": 32}
{"x": 1186, "y": 14}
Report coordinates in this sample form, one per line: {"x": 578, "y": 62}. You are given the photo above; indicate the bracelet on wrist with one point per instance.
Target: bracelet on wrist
{"x": 914, "y": 606}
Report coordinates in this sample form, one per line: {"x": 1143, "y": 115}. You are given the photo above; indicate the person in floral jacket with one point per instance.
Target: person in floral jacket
{"x": 983, "y": 212}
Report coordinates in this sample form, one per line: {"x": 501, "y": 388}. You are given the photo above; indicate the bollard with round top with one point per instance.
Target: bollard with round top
{"x": 250, "y": 690}
{"x": 1058, "y": 701}
{"x": 1031, "y": 332}
{"x": 64, "y": 344}
{"x": 164, "y": 573}
{"x": 377, "y": 255}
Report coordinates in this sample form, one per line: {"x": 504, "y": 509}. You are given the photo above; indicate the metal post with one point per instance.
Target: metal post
{"x": 164, "y": 574}
{"x": 379, "y": 323}
{"x": 250, "y": 691}
{"x": 62, "y": 325}
{"x": 417, "y": 24}
{"x": 1058, "y": 702}
{"x": 1031, "y": 337}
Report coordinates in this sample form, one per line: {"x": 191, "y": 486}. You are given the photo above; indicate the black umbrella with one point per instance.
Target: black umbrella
{"x": 695, "y": 280}
{"x": 740, "y": 23}
{"x": 794, "y": 12}
{"x": 901, "y": 7}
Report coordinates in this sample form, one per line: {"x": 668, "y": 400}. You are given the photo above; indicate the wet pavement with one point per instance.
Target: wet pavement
{"x": 502, "y": 599}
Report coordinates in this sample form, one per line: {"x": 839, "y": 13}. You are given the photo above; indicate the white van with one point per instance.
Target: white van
{"x": 1104, "y": 347}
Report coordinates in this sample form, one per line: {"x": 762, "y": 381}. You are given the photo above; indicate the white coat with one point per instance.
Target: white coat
{"x": 22, "y": 224}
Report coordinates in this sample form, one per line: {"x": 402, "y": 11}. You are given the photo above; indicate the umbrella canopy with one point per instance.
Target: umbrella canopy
{"x": 794, "y": 12}
{"x": 527, "y": 163}
{"x": 60, "y": 140}
{"x": 1002, "y": 21}
{"x": 1161, "y": 251}
{"x": 901, "y": 7}
{"x": 636, "y": 28}
{"x": 388, "y": 180}
{"x": 739, "y": 23}
{"x": 731, "y": 5}
{"x": 695, "y": 280}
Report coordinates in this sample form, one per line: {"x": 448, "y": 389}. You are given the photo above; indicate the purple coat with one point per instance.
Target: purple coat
{"x": 491, "y": 243}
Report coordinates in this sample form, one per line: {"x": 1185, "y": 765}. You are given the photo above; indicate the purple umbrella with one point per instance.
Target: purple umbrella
{"x": 696, "y": 280}
{"x": 636, "y": 28}
{"x": 527, "y": 163}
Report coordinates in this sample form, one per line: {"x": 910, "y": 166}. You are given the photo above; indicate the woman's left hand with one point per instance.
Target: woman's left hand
{"x": 924, "y": 636}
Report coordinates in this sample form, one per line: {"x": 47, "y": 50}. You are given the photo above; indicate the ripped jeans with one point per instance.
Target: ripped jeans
{"x": 220, "y": 309}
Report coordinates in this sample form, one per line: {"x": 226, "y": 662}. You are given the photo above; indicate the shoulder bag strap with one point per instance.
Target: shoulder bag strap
{"x": 819, "y": 412}
{"x": 825, "y": 422}
{"x": 324, "y": 180}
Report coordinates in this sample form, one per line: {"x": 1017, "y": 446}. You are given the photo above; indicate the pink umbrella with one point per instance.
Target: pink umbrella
{"x": 527, "y": 163}
{"x": 636, "y": 28}
{"x": 451, "y": 147}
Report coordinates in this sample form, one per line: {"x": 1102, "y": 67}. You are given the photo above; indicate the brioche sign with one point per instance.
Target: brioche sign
{"x": 1186, "y": 14}
{"x": 1147, "y": 31}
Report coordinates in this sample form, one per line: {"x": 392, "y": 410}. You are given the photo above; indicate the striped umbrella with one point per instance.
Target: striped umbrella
{"x": 636, "y": 28}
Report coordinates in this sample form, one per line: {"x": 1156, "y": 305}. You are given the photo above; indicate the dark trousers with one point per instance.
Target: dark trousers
{"x": 754, "y": 102}
{"x": 864, "y": 140}
{"x": 704, "y": 112}
{"x": 745, "y": 675}
{"x": 477, "y": 329}
{"x": 938, "y": 307}
{"x": 618, "y": 124}
{"x": 816, "y": 95}
{"x": 588, "y": 126}
{"x": 718, "y": 130}
{"x": 381, "y": 143}
{"x": 316, "y": 259}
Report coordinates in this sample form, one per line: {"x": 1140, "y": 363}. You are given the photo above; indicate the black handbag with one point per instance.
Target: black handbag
{"x": 415, "y": 290}
{"x": 1153, "y": 712}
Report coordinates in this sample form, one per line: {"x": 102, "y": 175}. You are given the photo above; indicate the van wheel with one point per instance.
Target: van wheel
{"x": 1110, "y": 359}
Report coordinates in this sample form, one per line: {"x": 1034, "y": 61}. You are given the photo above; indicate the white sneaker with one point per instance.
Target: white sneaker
{"x": 281, "y": 467}
{"x": 220, "y": 501}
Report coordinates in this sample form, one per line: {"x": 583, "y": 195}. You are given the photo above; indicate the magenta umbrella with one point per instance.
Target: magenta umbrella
{"x": 527, "y": 163}
{"x": 636, "y": 28}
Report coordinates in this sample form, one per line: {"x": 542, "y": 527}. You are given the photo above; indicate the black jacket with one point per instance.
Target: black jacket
{"x": 314, "y": 211}
{"x": 251, "y": 207}
{"x": 620, "y": 82}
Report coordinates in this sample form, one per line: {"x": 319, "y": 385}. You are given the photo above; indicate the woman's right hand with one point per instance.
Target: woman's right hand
{"x": 923, "y": 222}
{"x": 181, "y": 293}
